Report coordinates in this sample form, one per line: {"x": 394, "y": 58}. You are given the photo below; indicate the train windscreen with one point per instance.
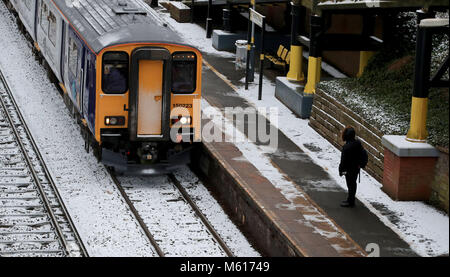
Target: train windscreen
{"x": 115, "y": 72}
{"x": 184, "y": 69}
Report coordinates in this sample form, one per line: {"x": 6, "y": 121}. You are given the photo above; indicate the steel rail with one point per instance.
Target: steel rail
{"x": 35, "y": 175}
{"x": 136, "y": 214}
{"x": 202, "y": 217}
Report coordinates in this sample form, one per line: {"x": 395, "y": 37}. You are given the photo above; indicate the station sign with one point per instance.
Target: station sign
{"x": 256, "y": 17}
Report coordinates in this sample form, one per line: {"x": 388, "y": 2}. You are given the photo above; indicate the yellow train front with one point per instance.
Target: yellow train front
{"x": 129, "y": 78}
{"x": 148, "y": 106}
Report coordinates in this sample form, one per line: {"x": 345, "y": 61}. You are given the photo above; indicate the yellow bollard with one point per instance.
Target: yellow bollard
{"x": 417, "y": 127}
{"x": 296, "y": 64}
{"x": 314, "y": 69}
{"x": 364, "y": 57}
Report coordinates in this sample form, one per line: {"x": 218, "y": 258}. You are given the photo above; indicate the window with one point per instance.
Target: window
{"x": 52, "y": 28}
{"x": 184, "y": 72}
{"x": 115, "y": 72}
{"x": 73, "y": 57}
{"x": 44, "y": 17}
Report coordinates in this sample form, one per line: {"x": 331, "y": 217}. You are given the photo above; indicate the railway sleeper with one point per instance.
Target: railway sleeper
{"x": 30, "y": 237}
{"x": 31, "y": 246}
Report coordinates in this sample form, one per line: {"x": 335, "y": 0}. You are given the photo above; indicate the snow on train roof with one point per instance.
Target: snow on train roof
{"x": 104, "y": 23}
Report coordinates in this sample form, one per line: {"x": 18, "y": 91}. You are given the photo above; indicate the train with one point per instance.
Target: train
{"x": 128, "y": 78}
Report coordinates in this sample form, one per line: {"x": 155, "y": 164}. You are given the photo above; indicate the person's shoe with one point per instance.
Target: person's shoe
{"x": 345, "y": 204}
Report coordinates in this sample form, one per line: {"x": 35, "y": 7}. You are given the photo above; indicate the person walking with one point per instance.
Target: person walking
{"x": 353, "y": 158}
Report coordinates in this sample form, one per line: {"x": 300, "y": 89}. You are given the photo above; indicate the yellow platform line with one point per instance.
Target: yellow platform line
{"x": 220, "y": 75}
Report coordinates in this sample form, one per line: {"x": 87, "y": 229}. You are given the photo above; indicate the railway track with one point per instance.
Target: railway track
{"x": 33, "y": 219}
{"x": 159, "y": 238}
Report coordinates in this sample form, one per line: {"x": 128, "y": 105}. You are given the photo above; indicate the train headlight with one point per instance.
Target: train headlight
{"x": 185, "y": 120}
{"x": 114, "y": 120}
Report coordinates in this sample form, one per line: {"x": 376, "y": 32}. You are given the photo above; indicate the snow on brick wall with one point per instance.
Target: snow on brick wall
{"x": 329, "y": 118}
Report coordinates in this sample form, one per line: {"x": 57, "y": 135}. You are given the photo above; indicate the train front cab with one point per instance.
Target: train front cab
{"x": 148, "y": 95}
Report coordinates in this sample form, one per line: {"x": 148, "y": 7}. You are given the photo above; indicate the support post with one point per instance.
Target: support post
{"x": 209, "y": 20}
{"x": 368, "y": 30}
{"x": 226, "y": 20}
{"x": 296, "y": 65}
{"x": 262, "y": 58}
{"x": 192, "y": 10}
{"x": 253, "y": 4}
{"x": 364, "y": 57}
{"x": 417, "y": 128}
{"x": 315, "y": 54}
{"x": 249, "y": 48}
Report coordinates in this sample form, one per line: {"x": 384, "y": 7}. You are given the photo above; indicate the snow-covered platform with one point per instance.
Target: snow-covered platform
{"x": 277, "y": 191}
{"x": 280, "y": 224}
{"x": 303, "y": 166}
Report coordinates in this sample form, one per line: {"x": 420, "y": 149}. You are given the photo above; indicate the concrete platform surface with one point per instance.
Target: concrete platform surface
{"x": 358, "y": 224}
{"x": 265, "y": 213}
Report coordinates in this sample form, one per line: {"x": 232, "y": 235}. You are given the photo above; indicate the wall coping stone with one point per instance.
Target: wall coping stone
{"x": 403, "y": 148}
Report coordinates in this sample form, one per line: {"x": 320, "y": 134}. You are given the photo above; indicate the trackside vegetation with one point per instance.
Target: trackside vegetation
{"x": 382, "y": 95}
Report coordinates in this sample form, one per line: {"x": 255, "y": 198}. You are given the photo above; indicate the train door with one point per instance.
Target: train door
{"x": 149, "y": 94}
{"x": 83, "y": 90}
{"x": 149, "y": 105}
{"x": 75, "y": 68}
{"x": 89, "y": 92}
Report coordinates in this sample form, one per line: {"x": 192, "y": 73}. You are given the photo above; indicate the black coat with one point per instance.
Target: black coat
{"x": 351, "y": 152}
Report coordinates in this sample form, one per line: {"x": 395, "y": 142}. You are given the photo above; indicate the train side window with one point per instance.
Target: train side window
{"x": 52, "y": 28}
{"x": 73, "y": 57}
{"x": 115, "y": 72}
{"x": 184, "y": 72}
{"x": 44, "y": 17}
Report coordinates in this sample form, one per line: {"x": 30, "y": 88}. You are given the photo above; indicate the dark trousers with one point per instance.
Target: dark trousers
{"x": 351, "y": 178}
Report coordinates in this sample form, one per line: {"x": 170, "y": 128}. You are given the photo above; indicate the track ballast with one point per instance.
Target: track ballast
{"x": 33, "y": 219}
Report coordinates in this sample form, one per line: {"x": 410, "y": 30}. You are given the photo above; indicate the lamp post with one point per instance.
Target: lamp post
{"x": 209, "y": 20}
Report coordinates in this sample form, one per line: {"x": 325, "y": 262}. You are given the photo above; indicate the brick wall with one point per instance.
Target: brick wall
{"x": 439, "y": 187}
{"x": 329, "y": 118}
{"x": 408, "y": 178}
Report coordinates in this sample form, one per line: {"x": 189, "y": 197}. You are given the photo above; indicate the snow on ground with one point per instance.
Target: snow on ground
{"x": 387, "y": 117}
{"x": 99, "y": 213}
{"x": 194, "y": 34}
{"x": 422, "y": 226}
{"x": 230, "y": 234}
{"x": 105, "y": 225}
{"x": 172, "y": 222}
